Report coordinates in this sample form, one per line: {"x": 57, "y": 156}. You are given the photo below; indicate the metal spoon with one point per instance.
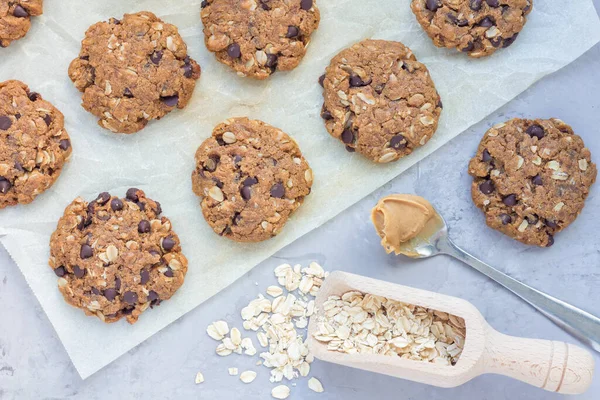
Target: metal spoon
{"x": 581, "y": 324}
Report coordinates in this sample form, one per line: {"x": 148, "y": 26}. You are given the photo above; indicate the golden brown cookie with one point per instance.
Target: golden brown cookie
{"x": 475, "y": 27}
{"x": 379, "y": 100}
{"x": 531, "y": 178}
{"x": 259, "y": 37}
{"x": 251, "y": 177}
{"x": 132, "y": 71}
{"x": 116, "y": 257}
{"x": 34, "y": 144}
{"x": 15, "y": 18}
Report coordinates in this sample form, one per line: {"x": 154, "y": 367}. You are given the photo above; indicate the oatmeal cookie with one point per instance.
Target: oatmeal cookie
{"x": 475, "y": 27}
{"x": 379, "y": 100}
{"x": 531, "y": 178}
{"x": 251, "y": 177}
{"x": 258, "y": 37}
{"x": 132, "y": 71}
{"x": 34, "y": 144}
{"x": 115, "y": 257}
{"x": 15, "y": 18}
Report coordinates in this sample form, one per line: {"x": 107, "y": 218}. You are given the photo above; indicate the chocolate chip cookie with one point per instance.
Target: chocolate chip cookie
{"x": 115, "y": 257}
{"x": 132, "y": 71}
{"x": 531, "y": 178}
{"x": 15, "y": 18}
{"x": 259, "y": 37}
{"x": 475, "y": 27}
{"x": 251, "y": 177}
{"x": 379, "y": 100}
{"x": 33, "y": 144}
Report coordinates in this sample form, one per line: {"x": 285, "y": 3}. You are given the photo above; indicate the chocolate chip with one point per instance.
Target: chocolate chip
{"x": 537, "y": 180}
{"x": 33, "y": 96}
{"x": 132, "y": 194}
{"x": 144, "y": 276}
{"x": 86, "y": 251}
{"x": 506, "y": 219}
{"x": 246, "y": 192}
{"x": 236, "y": 218}
{"x": 469, "y": 47}
{"x": 188, "y": 70}
{"x": 487, "y": 187}
{"x": 493, "y": 3}
{"x": 169, "y": 272}
{"x": 217, "y": 182}
{"x": 20, "y": 12}
{"x": 350, "y": 149}
{"x": 322, "y": 80}
{"x": 19, "y": 167}
{"x": 116, "y": 204}
{"x": 103, "y": 198}
{"x": 249, "y": 181}
{"x": 397, "y": 142}
{"x": 115, "y": 21}
{"x": 550, "y": 240}
{"x": 142, "y": 206}
{"x": 152, "y": 295}
{"x": 5, "y": 185}
{"x": 79, "y": 272}
{"x": 326, "y": 115}
{"x": 356, "y": 81}
{"x": 510, "y": 200}
{"x": 475, "y": 5}
{"x": 379, "y": 88}
{"x": 292, "y": 32}
{"x": 127, "y": 93}
{"x": 156, "y": 57}
{"x": 347, "y": 136}
{"x": 158, "y": 209}
{"x": 535, "y": 131}
{"x": 496, "y": 42}
{"x": 130, "y": 297}
{"x": 551, "y": 224}
{"x": 95, "y": 291}
{"x": 277, "y": 190}
{"x": 47, "y": 119}
{"x": 271, "y": 61}
{"x": 233, "y": 50}
{"x": 64, "y": 144}
{"x": 110, "y": 294}
{"x": 127, "y": 311}
{"x": 144, "y": 226}
{"x": 168, "y": 243}
{"x": 433, "y": 5}
{"x": 452, "y": 18}
{"x": 60, "y": 271}
{"x": 236, "y": 160}
{"x": 508, "y": 41}
{"x": 306, "y": 4}
{"x": 486, "y": 157}
{"x": 487, "y": 22}
{"x": 118, "y": 284}
{"x": 203, "y": 4}
{"x": 170, "y": 101}
{"x": 532, "y": 219}
{"x": 462, "y": 22}
{"x": 5, "y": 122}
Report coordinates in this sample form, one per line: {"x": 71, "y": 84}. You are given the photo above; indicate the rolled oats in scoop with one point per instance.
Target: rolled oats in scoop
{"x": 132, "y": 71}
{"x": 258, "y": 37}
{"x": 475, "y": 27}
{"x": 115, "y": 257}
{"x": 379, "y": 100}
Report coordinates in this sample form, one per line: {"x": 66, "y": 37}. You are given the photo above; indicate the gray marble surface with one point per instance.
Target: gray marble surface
{"x": 34, "y": 365}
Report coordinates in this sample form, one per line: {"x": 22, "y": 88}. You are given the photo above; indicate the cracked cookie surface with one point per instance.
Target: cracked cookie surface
{"x": 15, "y": 18}
{"x": 251, "y": 177}
{"x": 115, "y": 257}
{"x": 475, "y": 27}
{"x": 258, "y": 37}
{"x": 132, "y": 71}
{"x": 531, "y": 178}
{"x": 33, "y": 144}
{"x": 379, "y": 100}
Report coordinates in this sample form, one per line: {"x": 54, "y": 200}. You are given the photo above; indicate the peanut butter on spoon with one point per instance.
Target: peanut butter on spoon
{"x": 402, "y": 220}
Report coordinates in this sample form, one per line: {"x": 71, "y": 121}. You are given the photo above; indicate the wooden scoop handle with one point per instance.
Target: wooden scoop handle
{"x": 553, "y": 366}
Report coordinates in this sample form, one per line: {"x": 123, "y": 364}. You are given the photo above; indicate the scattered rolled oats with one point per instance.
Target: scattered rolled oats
{"x": 248, "y": 376}
{"x": 315, "y": 385}
{"x": 280, "y": 392}
{"x": 199, "y": 378}
{"x": 232, "y": 371}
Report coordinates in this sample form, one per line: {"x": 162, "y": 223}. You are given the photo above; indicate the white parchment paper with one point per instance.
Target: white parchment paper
{"x": 159, "y": 159}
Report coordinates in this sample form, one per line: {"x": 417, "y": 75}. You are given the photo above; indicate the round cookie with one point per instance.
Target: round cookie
{"x": 531, "y": 178}
{"x": 475, "y": 27}
{"x": 251, "y": 177}
{"x": 132, "y": 71}
{"x": 33, "y": 144}
{"x": 116, "y": 257}
{"x": 15, "y": 18}
{"x": 379, "y": 100}
{"x": 259, "y": 37}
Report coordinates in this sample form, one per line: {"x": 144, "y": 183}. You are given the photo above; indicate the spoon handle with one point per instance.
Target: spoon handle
{"x": 579, "y": 323}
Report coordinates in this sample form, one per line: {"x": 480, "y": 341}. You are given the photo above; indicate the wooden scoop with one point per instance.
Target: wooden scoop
{"x": 554, "y": 366}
